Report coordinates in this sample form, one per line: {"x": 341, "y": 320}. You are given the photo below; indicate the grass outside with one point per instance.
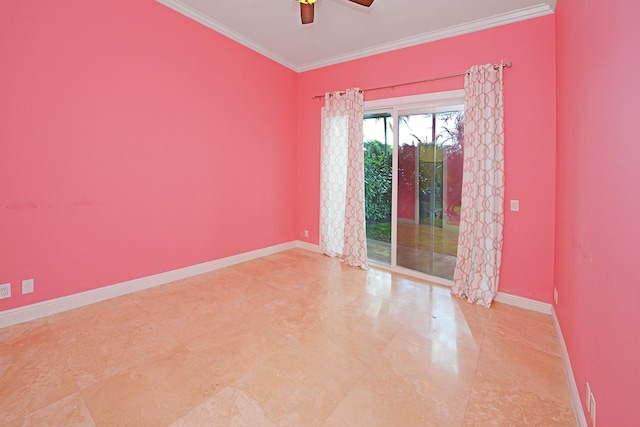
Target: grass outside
{"x": 445, "y": 239}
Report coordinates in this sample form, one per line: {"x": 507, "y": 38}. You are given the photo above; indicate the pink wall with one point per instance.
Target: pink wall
{"x": 598, "y": 201}
{"x": 529, "y": 132}
{"x": 134, "y": 141}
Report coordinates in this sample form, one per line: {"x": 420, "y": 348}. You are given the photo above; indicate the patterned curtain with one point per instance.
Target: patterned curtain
{"x": 482, "y": 208}
{"x": 342, "y": 221}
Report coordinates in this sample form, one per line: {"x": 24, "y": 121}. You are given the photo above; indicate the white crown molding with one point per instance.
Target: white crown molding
{"x": 197, "y": 16}
{"x": 571, "y": 380}
{"x": 536, "y": 11}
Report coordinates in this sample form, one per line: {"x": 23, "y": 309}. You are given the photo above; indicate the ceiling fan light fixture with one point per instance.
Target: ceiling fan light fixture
{"x": 307, "y": 10}
{"x": 365, "y": 3}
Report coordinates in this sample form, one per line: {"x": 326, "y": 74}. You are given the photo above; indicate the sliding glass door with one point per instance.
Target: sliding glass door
{"x": 413, "y": 181}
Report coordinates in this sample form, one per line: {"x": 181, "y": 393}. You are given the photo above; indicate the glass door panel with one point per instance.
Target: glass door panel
{"x": 414, "y": 192}
{"x": 428, "y": 191}
{"x": 378, "y": 188}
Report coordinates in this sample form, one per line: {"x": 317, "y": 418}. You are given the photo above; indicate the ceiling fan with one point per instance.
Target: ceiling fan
{"x": 306, "y": 8}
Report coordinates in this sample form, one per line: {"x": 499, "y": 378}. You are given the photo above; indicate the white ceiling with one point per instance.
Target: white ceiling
{"x": 343, "y": 31}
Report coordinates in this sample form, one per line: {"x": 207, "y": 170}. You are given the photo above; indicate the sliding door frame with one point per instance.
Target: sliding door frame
{"x": 431, "y": 103}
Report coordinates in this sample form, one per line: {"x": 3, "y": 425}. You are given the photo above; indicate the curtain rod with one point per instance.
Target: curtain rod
{"x": 497, "y": 66}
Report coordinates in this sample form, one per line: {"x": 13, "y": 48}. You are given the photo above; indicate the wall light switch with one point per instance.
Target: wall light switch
{"x": 27, "y": 286}
{"x": 515, "y": 205}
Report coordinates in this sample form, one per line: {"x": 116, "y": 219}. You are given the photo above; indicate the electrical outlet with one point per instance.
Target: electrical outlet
{"x": 592, "y": 405}
{"x": 5, "y": 291}
{"x": 555, "y": 295}
{"x": 306, "y": 233}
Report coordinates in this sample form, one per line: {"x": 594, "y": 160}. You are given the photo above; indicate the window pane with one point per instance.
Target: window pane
{"x": 429, "y": 188}
{"x": 378, "y": 164}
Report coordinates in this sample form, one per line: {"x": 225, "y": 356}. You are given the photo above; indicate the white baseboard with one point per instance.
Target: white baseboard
{"x": 58, "y": 305}
{"x": 308, "y": 246}
{"x": 526, "y": 303}
{"x": 571, "y": 380}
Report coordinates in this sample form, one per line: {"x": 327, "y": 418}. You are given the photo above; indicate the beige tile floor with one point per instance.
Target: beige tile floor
{"x": 292, "y": 339}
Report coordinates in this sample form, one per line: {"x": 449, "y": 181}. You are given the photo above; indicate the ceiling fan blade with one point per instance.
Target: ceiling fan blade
{"x": 362, "y": 2}
{"x": 306, "y": 13}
